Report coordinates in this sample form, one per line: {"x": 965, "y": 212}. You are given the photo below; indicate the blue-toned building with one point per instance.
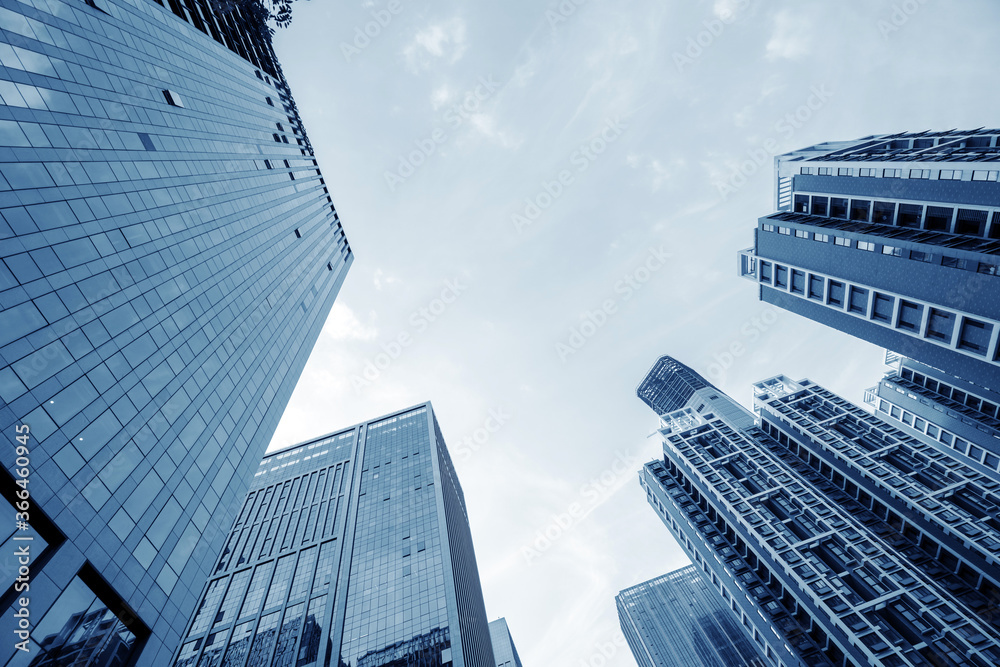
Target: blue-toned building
{"x": 352, "y": 549}
{"x": 168, "y": 255}
{"x": 833, "y": 537}
{"x": 678, "y": 620}
{"x": 894, "y": 239}
{"x": 504, "y": 651}
{"x": 941, "y": 410}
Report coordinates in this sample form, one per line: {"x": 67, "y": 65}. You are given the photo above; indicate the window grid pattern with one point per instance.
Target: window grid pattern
{"x": 397, "y": 579}
{"x": 972, "y": 335}
{"x": 157, "y": 309}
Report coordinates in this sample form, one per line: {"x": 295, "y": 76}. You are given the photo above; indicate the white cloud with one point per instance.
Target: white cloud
{"x": 380, "y": 279}
{"x": 791, "y": 37}
{"x": 345, "y": 325}
{"x": 485, "y": 124}
{"x": 441, "y": 96}
{"x": 445, "y": 40}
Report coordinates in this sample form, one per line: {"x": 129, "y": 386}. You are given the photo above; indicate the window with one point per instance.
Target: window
{"x": 838, "y": 207}
{"x": 885, "y": 213}
{"x": 954, "y": 262}
{"x": 858, "y": 300}
{"x": 921, "y": 256}
{"x": 822, "y": 238}
{"x": 940, "y": 324}
{"x": 860, "y": 209}
{"x": 840, "y": 240}
{"x": 800, "y": 234}
{"x": 806, "y": 171}
{"x": 950, "y": 175}
{"x": 816, "y": 287}
{"x": 845, "y": 171}
{"x": 801, "y": 203}
{"x": 866, "y": 172}
{"x": 910, "y": 215}
{"x": 836, "y": 295}
{"x": 882, "y": 310}
{"x": 892, "y": 173}
{"x": 767, "y": 228}
{"x": 765, "y": 272}
{"x": 819, "y": 205}
{"x": 938, "y": 218}
{"x": 988, "y": 269}
{"x": 798, "y": 282}
{"x": 974, "y": 335}
{"x": 824, "y": 171}
{"x": 892, "y": 250}
{"x": 970, "y": 222}
{"x": 780, "y": 276}
{"x": 979, "y": 175}
{"x": 173, "y": 99}
{"x": 785, "y": 230}
{"x": 910, "y": 315}
{"x": 866, "y": 245}
{"x": 920, "y": 173}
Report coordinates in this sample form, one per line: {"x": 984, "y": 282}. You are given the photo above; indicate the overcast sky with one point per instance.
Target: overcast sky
{"x": 507, "y": 172}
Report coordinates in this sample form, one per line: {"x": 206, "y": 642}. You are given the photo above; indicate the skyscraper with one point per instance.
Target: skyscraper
{"x": 678, "y": 620}
{"x": 352, "y": 549}
{"x": 835, "y": 538}
{"x": 169, "y": 254}
{"x": 942, "y": 410}
{"x": 504, "y": 651}
{"x": 894, "y": 239}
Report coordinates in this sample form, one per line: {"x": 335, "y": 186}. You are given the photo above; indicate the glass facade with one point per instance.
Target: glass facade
{"x": 504, "y": 651}
{"x": 835, "y": 538}
{"x": 894, "y": 239}
{"x": 168, "y": 254}
{"x": 352, "y": 549}
{"x": 678, "y": 620}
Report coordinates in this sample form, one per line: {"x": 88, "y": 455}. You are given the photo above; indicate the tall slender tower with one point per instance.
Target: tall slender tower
{"x": 352, "y": 549}
{"x": 679, "y": 620}
{"x": 169, "y": 255}
{"x": 504, "y": 651}
{"x": 834, "y": 538}
{"x": 894, "y": 239}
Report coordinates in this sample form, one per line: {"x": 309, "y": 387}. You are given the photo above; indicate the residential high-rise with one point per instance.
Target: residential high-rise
{"x": 678, "y": 620}
{"x": 169, "y": 255}
{"x": 835, "y": 538}
{"x": 894, "y": 239}
{"x": 942, "y": 410}
{"x": 504, "y": 651}
{"x": 352, "y": 549}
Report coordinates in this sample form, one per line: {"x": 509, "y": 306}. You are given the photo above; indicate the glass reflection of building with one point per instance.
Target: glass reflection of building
{"x": 504, "y": 651}
{"x": 351, "y": 549}
{"x": 677, "y": 620}
{"x": 834, "y": 537}
{"x": 168, "y": 255}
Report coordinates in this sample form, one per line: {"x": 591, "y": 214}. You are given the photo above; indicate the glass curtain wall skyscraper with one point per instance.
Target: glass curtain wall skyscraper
{"x": 678, "y": 620}
{"x": 353, "y": 549}
{"x": 894, "y": 239}
{"x": 168, "y": 254}
{"x": 834, "y": 538}
{"x": 504, "y": 651}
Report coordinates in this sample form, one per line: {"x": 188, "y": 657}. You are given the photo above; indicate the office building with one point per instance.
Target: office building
{"x": 894, "y": 239}
{"x": 504, "y": 651}
{"x": 834, "y": 538}
{"x": 352, "y": 549}
{"x": 169, "y": 255}
{"x": 677, "y": 620}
